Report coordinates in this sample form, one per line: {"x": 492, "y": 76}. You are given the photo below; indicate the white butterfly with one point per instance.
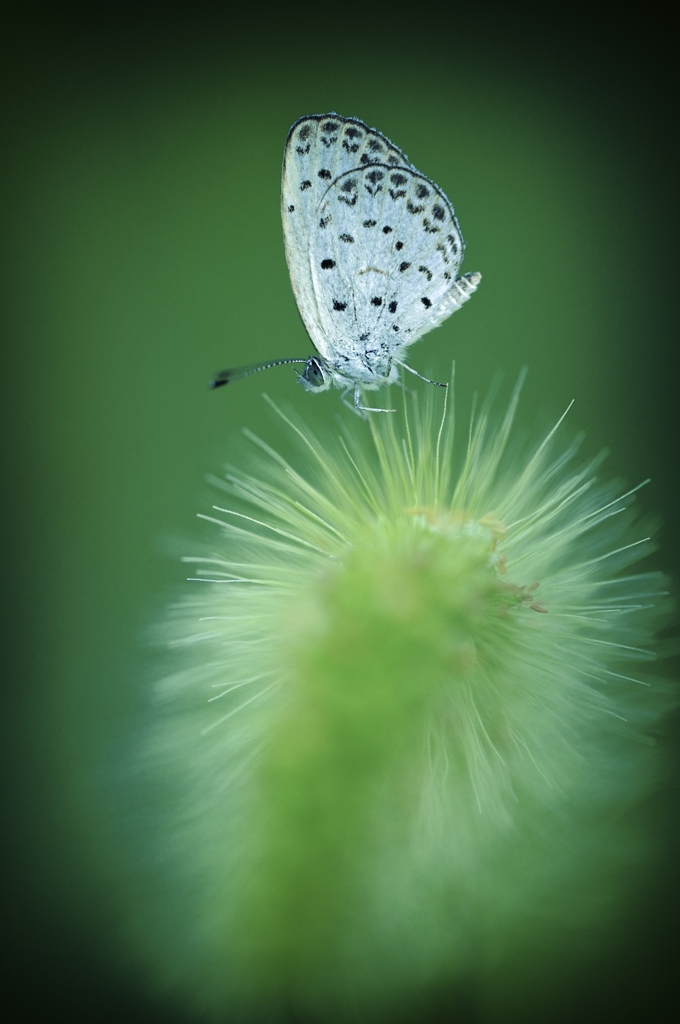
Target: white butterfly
{"x": 373, "y": 249}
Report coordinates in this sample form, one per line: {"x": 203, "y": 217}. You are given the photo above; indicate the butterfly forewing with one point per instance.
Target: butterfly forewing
{"x": 319, "y": 150}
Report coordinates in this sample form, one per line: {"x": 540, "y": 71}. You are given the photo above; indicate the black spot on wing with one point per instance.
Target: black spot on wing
{"x": 327, "y": 264}
{"x": 348, "y": 192}
{"x": 398, "y": 180}
{"x": 373, "y": 181}
{"x": 330, "y": 137}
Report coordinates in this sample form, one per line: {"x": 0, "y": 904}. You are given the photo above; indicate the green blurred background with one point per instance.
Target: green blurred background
{"x": 143, "y": 251}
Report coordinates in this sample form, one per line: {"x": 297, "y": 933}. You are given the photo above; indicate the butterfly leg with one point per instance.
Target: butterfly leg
{"x": 354, "y": 406}
{"x": 361, "y": 409}
{"x": 416, "y": 374}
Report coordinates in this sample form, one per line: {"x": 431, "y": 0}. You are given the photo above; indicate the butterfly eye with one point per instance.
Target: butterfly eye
{"x": 313, "y": 373}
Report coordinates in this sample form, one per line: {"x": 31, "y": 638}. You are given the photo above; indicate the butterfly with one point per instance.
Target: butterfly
{"x": 373, "y": 250}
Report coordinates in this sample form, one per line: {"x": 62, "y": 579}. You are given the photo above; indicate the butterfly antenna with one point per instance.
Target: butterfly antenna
{"x": 415, "y": 373}
{"x": 227, "y": 376}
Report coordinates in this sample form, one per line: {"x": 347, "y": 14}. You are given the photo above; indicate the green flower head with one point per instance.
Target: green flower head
{"x": 404, "y": 721}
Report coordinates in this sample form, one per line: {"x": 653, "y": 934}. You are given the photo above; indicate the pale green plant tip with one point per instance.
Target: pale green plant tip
{"x": 405, "y": 712}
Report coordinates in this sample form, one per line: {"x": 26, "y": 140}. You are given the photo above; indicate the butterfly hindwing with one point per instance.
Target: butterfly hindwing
{"x": 319, "y": 150}
{"x": 384, "y": 261}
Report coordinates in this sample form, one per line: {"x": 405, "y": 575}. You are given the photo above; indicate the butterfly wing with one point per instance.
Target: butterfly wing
{"x": 319, "y": 150}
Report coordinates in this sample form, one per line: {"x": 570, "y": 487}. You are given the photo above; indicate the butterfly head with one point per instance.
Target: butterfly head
{"x": 316, "y": 375}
